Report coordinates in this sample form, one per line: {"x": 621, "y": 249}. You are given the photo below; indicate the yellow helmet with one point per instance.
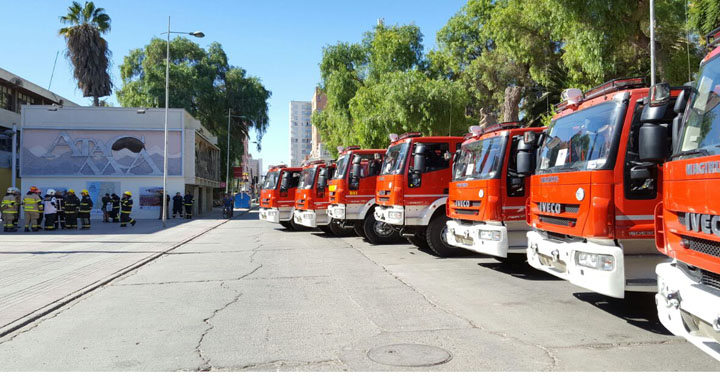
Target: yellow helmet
{"x": 71, "y": 191}
{"x": 128, "y": 193}
{"x": 84, "y": 192}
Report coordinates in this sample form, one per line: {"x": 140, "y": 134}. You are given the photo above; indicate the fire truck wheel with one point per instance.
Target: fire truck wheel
{"x": 358, "y": 227}
{"x": 326, "y": 229}
{"x": 377, "y": 232}
{"x": 419, "y": 240}
{"x": 286, "y": 224}
{"x": 338, "y": 230}
{"x": 435, "y": 236}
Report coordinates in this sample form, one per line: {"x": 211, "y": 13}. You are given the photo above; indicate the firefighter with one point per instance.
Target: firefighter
{"x": 125, "y": 209}
{"x": 177, "y": 204}
{"x": 59, "y": 198}
{"x": 114, "y": 214}
{"x": 188, "y": 201}
{"x": 10, "y": 205}
{"x": 86, "y": 205}
{"x": 106, "y": 201}
{"x": 71, "y": 207}
{"x": 32, "y": 205}
{"x": 50, "y": 210}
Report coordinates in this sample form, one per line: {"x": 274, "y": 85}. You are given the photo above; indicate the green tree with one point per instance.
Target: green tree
{"x": 704, "y": 16}
{"x": 203, "y": 83}
{"x": 382, "y": 86}
{"x": 87, "y": 50}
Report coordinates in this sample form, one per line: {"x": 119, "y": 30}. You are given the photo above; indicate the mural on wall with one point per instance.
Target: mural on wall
{"x": 57, "y": 152}
{"x": 149, "y": 198}
{"x": 96, "y": 191}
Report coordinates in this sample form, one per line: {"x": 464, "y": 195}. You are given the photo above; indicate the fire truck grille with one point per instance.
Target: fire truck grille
{"x": 710, "y": 279}
{"x": 384, "y": 199}
{"x": 466, "y": 211}
{"x": 572, "y": 208}
{"x": 681, "y": 220}
{"x": 707, "y": 247}
{"x": 557, "y": 220}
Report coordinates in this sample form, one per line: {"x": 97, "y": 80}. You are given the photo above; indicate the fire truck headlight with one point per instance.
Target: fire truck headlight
{"x": 395, "y": 215}
{"x": 481, "y": 193}
{"x": 580, "y": 194}
{"x": 490, "y": 235}
{"x": 595, "y": 261}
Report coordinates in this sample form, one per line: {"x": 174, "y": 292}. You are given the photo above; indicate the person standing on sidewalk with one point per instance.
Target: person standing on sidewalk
{"x": 188, "y": 201}
{"x": 114, "y": 214}
{"x": 126, "y": 205}
{"x": 59, "y": 198}
{"x": 86, "y": 205}
{"x": 10, "y": 205}
{"x": 105, "y": 210}
{"x": 50, "y": 210}
{"x": 177, "y": 205}
{"x": 32, "y": 205}
{"x": 71, "y": 206}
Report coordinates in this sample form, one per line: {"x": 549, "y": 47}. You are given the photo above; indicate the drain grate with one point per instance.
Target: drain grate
{"x": 409, "y": 355}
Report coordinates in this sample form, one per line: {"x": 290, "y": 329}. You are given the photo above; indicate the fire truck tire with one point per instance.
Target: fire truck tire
{"x": 338, "y": 230}
{"x": 359, "y": 228}
{"x": 378, "y": 232}
{"x": 419, "y": 240}
{"x": 326, "y": 229}
{"x": 435, "y": 236}
{"x": 287, "y": 225}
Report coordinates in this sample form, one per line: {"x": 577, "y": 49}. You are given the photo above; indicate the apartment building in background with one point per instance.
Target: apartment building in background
{"x": 319, "y": 149}
{"x": 300, "y": 131}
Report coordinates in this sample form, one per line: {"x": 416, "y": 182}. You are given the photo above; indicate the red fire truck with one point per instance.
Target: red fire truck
{"x": 277, "y": 198}
{"x": 487, "y": 198}
{"x": 313, "y": 197}
{"x": 411, "y": 193}
{"x": 352, "y": 194}
{"x": 592, "y": 199}
{"x": 687, "y": 221}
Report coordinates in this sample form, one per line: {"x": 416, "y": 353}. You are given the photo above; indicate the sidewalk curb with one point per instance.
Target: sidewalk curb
{"x": 57, "y": 304}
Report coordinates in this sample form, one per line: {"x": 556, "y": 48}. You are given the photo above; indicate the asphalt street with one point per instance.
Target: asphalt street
{"x": 248, "y": 295}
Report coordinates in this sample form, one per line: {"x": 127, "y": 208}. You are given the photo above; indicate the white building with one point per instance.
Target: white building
{"x": 300, "y": 131}
{"x": 113, "y": 149}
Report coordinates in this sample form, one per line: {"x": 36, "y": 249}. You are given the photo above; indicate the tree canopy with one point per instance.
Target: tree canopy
{"x": 203, "y": 83}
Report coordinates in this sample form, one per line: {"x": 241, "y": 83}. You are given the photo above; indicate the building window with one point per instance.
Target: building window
{"x": 5, "y": 98}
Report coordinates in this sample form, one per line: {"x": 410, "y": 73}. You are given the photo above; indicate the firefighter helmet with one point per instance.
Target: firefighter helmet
{"x": 51, "y": 192}
{"x": 71, "y": 191}
{"x": 10, "y": 190}
{"x": 34, "y": 189}
{"x": 127, "y": 193}
{"x": 84, "y": 192}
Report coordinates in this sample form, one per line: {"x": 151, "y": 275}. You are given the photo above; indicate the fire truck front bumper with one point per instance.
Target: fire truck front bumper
{"x": 596, "y": 267}
{"x": 687, "y": 308}
{"x": 394, "y": 215}
{"x": 481, "y": 238}
{"x": 275, "y": 215}
{"x": 311, "y": 218}
{"x": 337, "y": 211}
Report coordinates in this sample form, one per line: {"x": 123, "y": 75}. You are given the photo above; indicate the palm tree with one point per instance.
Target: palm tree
{"x": 87, "y": 50}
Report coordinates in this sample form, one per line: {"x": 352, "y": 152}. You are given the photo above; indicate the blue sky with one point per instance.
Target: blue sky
{"x": 279, "y": 41}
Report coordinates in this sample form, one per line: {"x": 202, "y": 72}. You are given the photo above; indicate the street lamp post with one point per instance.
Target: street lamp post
{"x": 197, "y": 34}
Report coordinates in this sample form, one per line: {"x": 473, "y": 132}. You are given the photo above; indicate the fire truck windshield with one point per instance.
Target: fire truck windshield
{"x": 581, "y": 140}
{"x": 395, "y": 159}
{"x": 341, "y": 169}
{"x": 271, "y": 180}
{"x": 481, "y": 159}
{"x": 308, "y": 178}
{"x": 702, "y": 127}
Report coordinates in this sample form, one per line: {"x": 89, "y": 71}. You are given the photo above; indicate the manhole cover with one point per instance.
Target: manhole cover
{"x": 409, "y": 355}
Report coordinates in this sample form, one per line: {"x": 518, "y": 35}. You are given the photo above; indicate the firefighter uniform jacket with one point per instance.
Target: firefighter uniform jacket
{"x": 32, "y": 203}
{"x": 86, "y": 205}
{"x": 126, "y": 205}
{"x": 71, "y": 204}
{"x": 10, "y": 204}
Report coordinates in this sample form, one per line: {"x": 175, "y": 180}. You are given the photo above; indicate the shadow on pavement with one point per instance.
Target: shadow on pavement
{"x": 637, "y": 309}
{"x": 519, "y": 270}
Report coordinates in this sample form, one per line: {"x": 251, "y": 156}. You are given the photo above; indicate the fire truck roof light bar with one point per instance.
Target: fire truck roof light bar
{"x": 409, "y": 135}
{"x": 353, "y": 147}
{"x": 713, "y": 38}
{"x": 571, "y": 97}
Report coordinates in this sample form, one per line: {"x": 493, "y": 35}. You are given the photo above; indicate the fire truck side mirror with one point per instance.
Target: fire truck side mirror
{"x": 525, "y": 162}
{"x": 529, "y": 139}
{"x": 355, "y": 173}
{"x": 322, "y": 180}
{"x": 285, "y": 182}
{"x": 419, "y": 158}
{"x": 652, "y": 143}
